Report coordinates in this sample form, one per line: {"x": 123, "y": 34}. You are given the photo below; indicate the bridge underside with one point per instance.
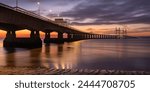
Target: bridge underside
{"x": 12, "y": 20}
{"x": 35, "y": 41}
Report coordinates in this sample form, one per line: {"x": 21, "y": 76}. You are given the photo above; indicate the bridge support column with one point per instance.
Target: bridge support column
{"x": 11, "y": 35}
{"x": 98, "y": 36}
{"x": 115, "y": 37}
{"x": 106, "y": 36}
{"x": 35, "y": 40}
{"x": 75, "y": 36}
{"x": 82, "y": 36}
{"x": 47, "y": 37}
{"x": 9, "y": 41}
{"x": 102, "y": 36}
{"x": 70, "y": 37}
{"x": 60, "y": 38}
{"x": 90, "y": 36}
{"x": 94, "y": 36}
{"x": 34, "y": 34}
{"x": 87, "y": 36}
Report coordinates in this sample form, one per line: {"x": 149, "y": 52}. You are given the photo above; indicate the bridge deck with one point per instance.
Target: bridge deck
{"x": 29, "y": 13}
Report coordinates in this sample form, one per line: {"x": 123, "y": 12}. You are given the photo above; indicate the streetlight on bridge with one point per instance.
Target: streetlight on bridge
{"x": 16, "y": 4}
{"x": 50, "y": 13}
{"x": 38, "y": 3}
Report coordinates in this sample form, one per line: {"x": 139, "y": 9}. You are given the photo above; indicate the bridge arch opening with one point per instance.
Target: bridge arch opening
{"x": 23, "y": 33}
{"x": 42, "y": 35}
{"x": 65, "y": 35}
{"x": 26, "y": 33}
{"x": 2, "y": 34}
{"x": 54, "y": 34}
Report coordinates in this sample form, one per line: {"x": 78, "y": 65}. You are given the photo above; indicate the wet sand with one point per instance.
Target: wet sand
{"x": 51, "y": 71}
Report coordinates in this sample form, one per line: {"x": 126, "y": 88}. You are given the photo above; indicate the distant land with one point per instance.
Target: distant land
{"x": 143, "y": 37}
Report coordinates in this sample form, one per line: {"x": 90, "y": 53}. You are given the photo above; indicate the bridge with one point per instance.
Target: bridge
{"x": 14, "y": 19}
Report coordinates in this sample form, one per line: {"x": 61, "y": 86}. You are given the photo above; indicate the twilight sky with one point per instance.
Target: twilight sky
{"x": 99, "y": 16}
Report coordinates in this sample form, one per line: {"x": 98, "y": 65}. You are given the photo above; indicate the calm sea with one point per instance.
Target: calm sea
{"x": 131, "y": 54}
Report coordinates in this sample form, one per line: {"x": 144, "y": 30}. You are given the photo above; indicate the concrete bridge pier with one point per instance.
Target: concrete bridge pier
{"x": 75, "y": 36}
{"x": 87, "y": 36}
{"x": 90, "y": 36}
{"x": 96, "y": 36}
{"x": 79, "y": 36}
{"x": 33, "y": 42}
{"x": 10, "y": 39}
{"x": 34, "y": 39}
{"x": 113, "y": 37}
{"x": 93, "y": 36}
{"x": 47, "y": 37}
{"x": 82, "y": 36}
{"x": 69, "y": 38}
{"x": 102, "y": 36}
{"x": 99, "y": 36}
{"x": 60, "y": 38}
{"x": 106, "y": 36}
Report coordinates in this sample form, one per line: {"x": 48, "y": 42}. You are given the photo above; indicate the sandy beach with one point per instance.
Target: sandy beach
{"x": 51, "y": 71}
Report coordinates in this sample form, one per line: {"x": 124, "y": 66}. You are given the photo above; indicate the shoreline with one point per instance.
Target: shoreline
{"x": 52, "y": 71}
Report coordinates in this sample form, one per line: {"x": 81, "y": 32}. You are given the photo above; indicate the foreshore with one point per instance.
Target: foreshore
{"x": 51, "y": 71}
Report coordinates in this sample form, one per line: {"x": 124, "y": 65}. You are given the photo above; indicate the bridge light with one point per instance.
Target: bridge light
{"x": 50, "y": 11}
{"x": 38, "y": 3}
{"x": 16, "y": 3}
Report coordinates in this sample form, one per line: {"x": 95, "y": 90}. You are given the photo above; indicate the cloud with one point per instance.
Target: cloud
{"x": 55, "y": 2}
{"x": 110, "y": 12}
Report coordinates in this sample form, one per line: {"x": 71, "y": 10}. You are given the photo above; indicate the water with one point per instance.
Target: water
{"x": 131, "y": 54}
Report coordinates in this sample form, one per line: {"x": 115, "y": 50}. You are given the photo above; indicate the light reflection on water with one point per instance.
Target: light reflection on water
{"x": 91, "y": 54}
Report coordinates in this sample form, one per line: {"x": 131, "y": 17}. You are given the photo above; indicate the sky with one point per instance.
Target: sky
{"x": 97, "y": 16}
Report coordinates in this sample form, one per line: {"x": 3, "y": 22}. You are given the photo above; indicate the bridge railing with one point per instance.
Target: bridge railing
{"x": 42, "y": 17}
{"x": 24, "y": 11}
{"x": 21, "y": 10}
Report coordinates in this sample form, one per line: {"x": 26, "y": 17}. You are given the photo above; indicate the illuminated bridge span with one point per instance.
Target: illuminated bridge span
{"x": 13, "y": 19}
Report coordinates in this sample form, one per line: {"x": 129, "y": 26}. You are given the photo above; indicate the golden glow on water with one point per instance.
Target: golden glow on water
{"x": 61, "y": 56}
{"x": 81, "y": 54}
{"x": 1, "y": 45}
